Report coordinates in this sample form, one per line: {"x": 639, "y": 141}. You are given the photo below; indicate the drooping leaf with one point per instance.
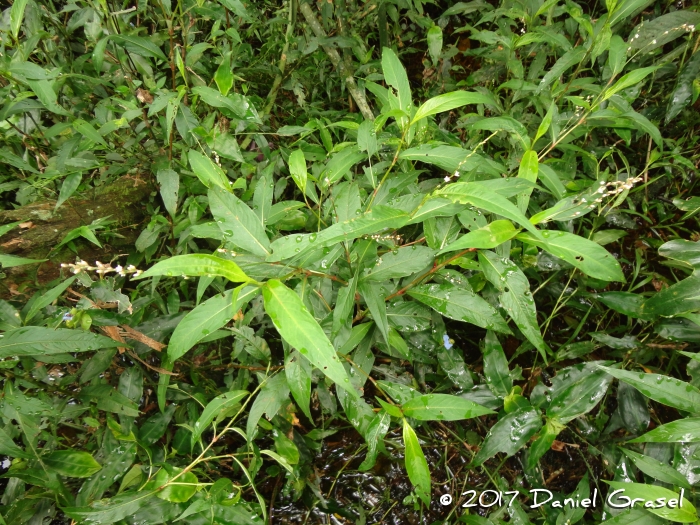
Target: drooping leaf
{"x": 516, "y": 297}
{"x": 496, "y": 366}
{"x": 399, "y": 263}
{"x": 239, "y": 224}
{"x": 683, "y": 430}
{"x": 510, "y": 434}
{"x": 272, "y": 395}
{"x": 449, "y": 101}
{"x": 298, "y": 327}
{"x": 197, "y": 264}
{"x": 459, "y": 303}
{"x": 139, "y": 45}
{"x": 395, "y": 75}
{"x": 588, "y": 256}
{"x": 375, "y": 436}
{"x": 36, "y": 340}
{"x": 416, "y": 464}
{"x": 664, "y": 389}
{"x": 442, "y": 407}
{"x": 215, "y": 407}
{"x": 72, "y": 463}
{"x": 208, "y": 172}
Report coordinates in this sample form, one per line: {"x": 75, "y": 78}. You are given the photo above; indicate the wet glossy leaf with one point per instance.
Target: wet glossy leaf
{"x": 274, "y": 392}
{"x": 683, "y": 430}
{"x": 416, "y": 464}
{"x": 205, "y": 319}
{"x": 298, "y": 372}
{"x": 682, "y": 250}
{"x": 72, "y": 463}
{"x": 664, "y": 389}
{"x": 588, "y": 256}
{"x": 298, "y": 327}
{"x": 442, "y": 407}
{"x": 656, "y": 469}
{"x": 215, "y": 407}
{"x": 578, "y": 396}
{"x": 340, "y": 163}
{"x": 490, "y": 236}
{"x": 684, "y": 513}
{"x": 297, "y": 169}
{"x": 459, "y": 303}
{"x": 496, "y": 367}
{"x": 395, "y": 76}
{"x": 399, "y": 263}
{"x": 509, "y": 435}
{"x": 477, "y": 195}
{"x": 516, "y": 297}
{"x": 375, "y": 437}
{"x": 238, "y": 222}
{"x": 112, "y": 509}
{"x": 197, "y": 264}
{"x": 36, "y": 340}
{"x": 181, "y": 486}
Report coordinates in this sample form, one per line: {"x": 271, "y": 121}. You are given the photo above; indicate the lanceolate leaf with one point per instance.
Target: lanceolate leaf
{"x": 209, "y": 173}
{"x": 400, "y": 263}
{"x": 679, "y": 298}
{"x": 684, "y": 512}
{"x": 395, "y": 76}
{"x": 510, "y": 434}
{"x": 588, "y": 256}
{"x": 298, "y": 327}
{"x": 206, "y": 318}
{"x": 215, "y": 407}
{"x": 684, "y": 430}
{"x": 442, "y": 407}
{"x": 449, "y": 101}
{"x": 238, "y": 222}
{"x": 490, "y": 236}
{"x": 111, "y": 510}
{"x": 139, "y": 45}
{"x": 36, "y": 340}
{"x": 478, "y": 196}
{"x": 72, "y": 463}
{"x": 657, "y": 469}
{"x": 197, "y": 264}
{"x": 459, "y": 303}
{"x": 496, "y": 366}
{"x": 664, "y": 389}
{"x": 375, "y": 221}
{"x": 516, "y": 297}
{"x": 416, "y": 464}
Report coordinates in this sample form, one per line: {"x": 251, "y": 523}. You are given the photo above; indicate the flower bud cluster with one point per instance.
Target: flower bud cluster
{"x": 101, "y": 268}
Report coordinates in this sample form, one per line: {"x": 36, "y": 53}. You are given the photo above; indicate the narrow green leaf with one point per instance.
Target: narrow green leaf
{"x": 586, "y": 255}
{"x": 209, "y": 173}
{"x": 416, "y": 464}
{"x": 196, "y": 264}
{"x": 297, "y": 169}
{"x": 298, "y": 372}
{"x": 10, "y": 261}
{"x": 36, "y": 340}
{"x": 496, "y": 366}
{"x": 88, "y": 131}
{"x": 139, "y": 45}
{"x": 375, "y": 436}
{"x": 682, "y": 297}
{"x": 449, "y": 101}
{"x": 70, "y": 184}
{"x": 684, "y": 430}
{"x": 442, "y": 407}
{"x": 478, "y": 196}
{"x": 515, "y": 297}
{"x": 16, "y": 16}
{"x": 682, "y": 512}
{"x": 239, "y": 224}
{"x": 272, "y": 395}
{"x": 509, "y": 435}
{"x": 630, "y": 79}
{"x": 459, "y": 302}
{"x": 395, "y": 75}
{"x": 435, "y": 43}
{"x": 298, "y": 327}
{"x": 656, "y": 469}
{"x": 224, "y": 76}
{"x": 399, "y": 263}
{"x": 72, "y": 463}
{"x": 169, "y": 182}
{"x": 664, "y": 389}
{"x": 490, "y": 236}
{"x": 215, "y": 407}
{"x": 112, "y": 509}
{"x": 340, "y": 163}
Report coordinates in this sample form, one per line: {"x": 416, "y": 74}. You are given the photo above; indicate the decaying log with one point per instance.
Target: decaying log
{"x": 43, "y": 227}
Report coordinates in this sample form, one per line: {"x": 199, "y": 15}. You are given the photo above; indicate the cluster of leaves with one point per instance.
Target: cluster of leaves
{"x": 343, "y": 258}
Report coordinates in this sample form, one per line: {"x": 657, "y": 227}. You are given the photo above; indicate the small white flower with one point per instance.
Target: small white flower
{"x": 447, "y": 178}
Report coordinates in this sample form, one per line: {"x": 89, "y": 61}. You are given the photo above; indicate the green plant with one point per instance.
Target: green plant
{"x": 343, "y": 258}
